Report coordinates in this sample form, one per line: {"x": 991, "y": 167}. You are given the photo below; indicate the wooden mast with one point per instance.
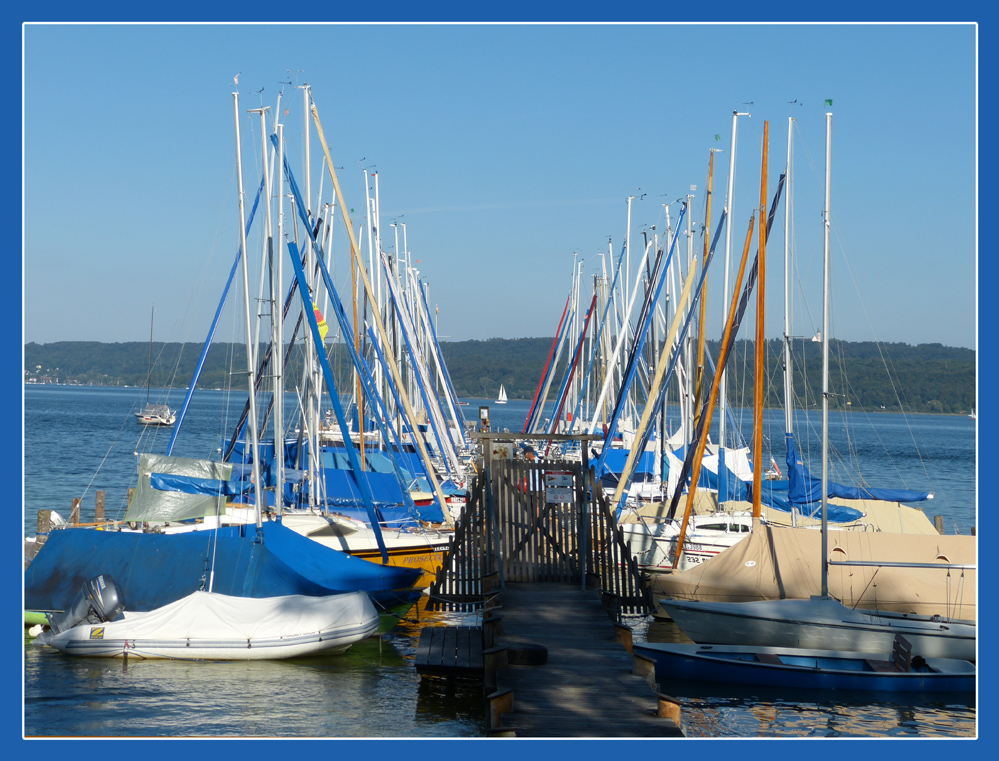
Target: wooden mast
{"x": 723, "y": 357}
{"x": 380, "y": 326}
{"x": 703, "y": 312}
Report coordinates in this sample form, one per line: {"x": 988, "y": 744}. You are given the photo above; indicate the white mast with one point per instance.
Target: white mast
{"x": 825, "y": 361}
{"x": 248, "y": 324}
{"x": 722, "y": 396}
{"x": 267, "y": 256}
{"x": 278, "y": 321}
{"x": 311, "y": 412}
{"x": 788, "y": 395}
{"x": 688, "y": 417}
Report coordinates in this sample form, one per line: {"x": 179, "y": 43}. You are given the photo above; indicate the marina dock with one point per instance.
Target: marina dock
{"x": 548, "y": 570}
{"x": 589, "y": 684}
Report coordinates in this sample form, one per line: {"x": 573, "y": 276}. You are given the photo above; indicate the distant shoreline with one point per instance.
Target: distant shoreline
{"x": 488, "y": 402}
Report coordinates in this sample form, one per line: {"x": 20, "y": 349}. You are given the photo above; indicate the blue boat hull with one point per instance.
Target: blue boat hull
{"x": 802, "y": 669}
{"x": 155, "y": 569}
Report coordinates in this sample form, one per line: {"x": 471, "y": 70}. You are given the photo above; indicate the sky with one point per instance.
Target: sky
{"x": 509, "y": 153}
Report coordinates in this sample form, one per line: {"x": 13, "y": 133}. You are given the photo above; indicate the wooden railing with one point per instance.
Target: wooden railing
{"x": 528, "y": 522}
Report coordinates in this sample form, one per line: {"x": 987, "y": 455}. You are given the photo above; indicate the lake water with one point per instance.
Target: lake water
{"x": 80, "y": 439}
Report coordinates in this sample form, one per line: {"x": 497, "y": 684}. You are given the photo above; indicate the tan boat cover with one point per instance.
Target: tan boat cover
{"x": 893, "y": 517}
{"x": 777, "y": 562}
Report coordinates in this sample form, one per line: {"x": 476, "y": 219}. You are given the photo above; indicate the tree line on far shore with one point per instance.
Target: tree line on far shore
{"x": 863, "y": 375}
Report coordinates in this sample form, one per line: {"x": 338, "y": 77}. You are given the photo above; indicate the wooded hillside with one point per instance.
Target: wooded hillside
{"x": 863, "y": 375}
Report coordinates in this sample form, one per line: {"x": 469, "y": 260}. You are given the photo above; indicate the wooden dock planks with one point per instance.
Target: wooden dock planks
{"x": 586, "y": 688}
{"x": 450, "y": 651}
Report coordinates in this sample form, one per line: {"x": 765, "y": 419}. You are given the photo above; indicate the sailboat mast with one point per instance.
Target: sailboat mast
{"x": 149, "y": 370}
{"x": 688, "y": 357}
{"x": 250, "y": 353}
{"x": 278, "y": 321}
{"x": 760, "y": 339}
{"x": 702, "y": 316}
{"x": 825, "y": 360}
{"x": 788, "y": 369}
{"x": 723, "y": 392}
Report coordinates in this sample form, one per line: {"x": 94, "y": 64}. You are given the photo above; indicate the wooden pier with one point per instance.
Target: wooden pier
{"x": 539, "y": 554}
{"x": 590, "y": 685}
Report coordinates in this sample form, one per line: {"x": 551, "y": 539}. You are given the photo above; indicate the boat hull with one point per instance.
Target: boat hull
{"x": 819, "y": 624}
{"x": 207, "y": 626}
{"x": 802, "y": 668}
{"x": 417, "y": 550}
{"x": 155, "y": 569}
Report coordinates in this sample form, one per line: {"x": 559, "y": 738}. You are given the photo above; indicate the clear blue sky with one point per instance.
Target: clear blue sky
{"x": 505, "y": 150}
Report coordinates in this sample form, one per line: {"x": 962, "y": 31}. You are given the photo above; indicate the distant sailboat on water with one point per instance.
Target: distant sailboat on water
{"x": 154, "y": 414}
{"x": 501, "y": 399}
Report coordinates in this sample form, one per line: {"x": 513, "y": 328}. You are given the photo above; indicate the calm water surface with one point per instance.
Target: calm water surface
{"x": 80, "y": 439}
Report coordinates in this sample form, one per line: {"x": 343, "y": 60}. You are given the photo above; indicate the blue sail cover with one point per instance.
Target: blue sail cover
{"x": 340, "y": 487}
{"x": 211, "y": 487}
{"x": 156, "y": 569}
{"x": 805, "y": 489}
{"x": 613, "y": 462}
{"x": 773, "y": 494}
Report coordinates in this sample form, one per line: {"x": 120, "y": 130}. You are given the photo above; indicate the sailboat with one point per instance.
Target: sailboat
{"x": 159, "y": 560}
{"x": 154, "y": 414}
{"x": 501, "y": 399}
{"x": 821, "y": 621}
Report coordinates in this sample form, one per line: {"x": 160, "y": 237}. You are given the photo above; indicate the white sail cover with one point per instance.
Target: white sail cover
{"x": 207, "y": 625}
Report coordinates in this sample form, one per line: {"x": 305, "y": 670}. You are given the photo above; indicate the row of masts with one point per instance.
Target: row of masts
{"x": 599, "y": 392}
{"x": 398, "y": 377}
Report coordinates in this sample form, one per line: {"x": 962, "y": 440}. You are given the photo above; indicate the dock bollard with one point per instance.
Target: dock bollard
{"x": 644, "y": 667}
{"x": 669, "y": 708}
{"x": 622, "y": 634}
{"x": 500, "y": 702}
{"x": 493, "y": 659}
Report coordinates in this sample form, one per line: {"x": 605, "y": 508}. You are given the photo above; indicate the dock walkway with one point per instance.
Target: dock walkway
{"x": 587, "y": 687}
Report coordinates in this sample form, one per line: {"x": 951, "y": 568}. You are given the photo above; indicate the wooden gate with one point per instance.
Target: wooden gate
{"x": 528, "y": 522}
{"x": 539, "y": 509}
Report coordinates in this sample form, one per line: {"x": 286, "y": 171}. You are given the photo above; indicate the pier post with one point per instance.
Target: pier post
{"x": 644, "y": 667}
{"x": 99, "y": 507}
{"x": 74, "y": 514}
{"x": 623, "y": 635}
{"x": 493, "y": 659}
{"x": 44, "y": 525}
{"x": 668, "y": 708}
{"x": 938, "y": 523}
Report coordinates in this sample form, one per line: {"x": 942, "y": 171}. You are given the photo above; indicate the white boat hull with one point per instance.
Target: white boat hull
{"x": 817, "y": 623}
{"x": 654, "y": 544}
{"x": 208, "y": 626}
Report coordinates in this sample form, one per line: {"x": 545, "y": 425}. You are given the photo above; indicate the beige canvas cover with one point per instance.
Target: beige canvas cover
{"x": 777, "y": 562}
{"x": 878, "y": 515}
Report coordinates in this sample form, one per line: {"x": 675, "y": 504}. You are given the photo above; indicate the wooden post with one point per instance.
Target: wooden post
{"x": 938, "y": 522}
{"x": 99, "y": 507}
{"x": 668, "y": 708}
{"x": 44, "y": 525}
{"x": 644, "y": 667}
{"x": 493, "y": 659}
{"x": 499, "y": 703}
{"x": 74, "y": 514}
{"x": 622, "y": 634}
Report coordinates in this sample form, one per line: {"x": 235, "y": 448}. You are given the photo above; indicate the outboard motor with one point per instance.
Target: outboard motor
{"x": 101, "y": 600}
